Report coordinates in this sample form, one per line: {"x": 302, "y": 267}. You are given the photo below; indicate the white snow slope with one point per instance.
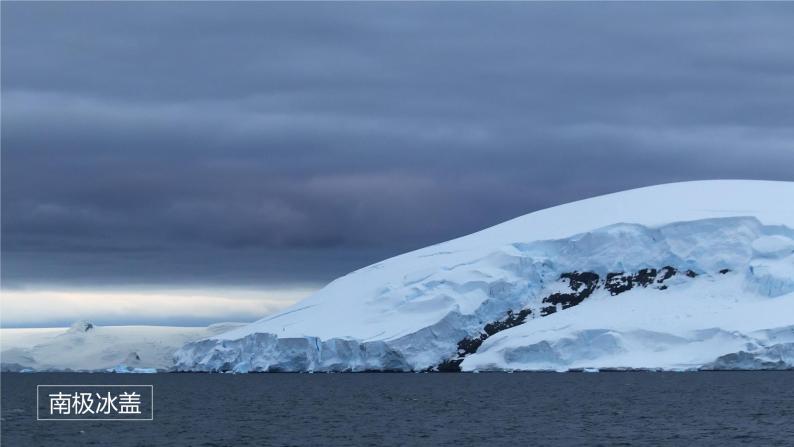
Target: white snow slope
{"x": 86, "y": 347}
{"x": 676, "y": 276}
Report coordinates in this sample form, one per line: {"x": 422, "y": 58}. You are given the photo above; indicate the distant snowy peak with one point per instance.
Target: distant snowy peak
{"x": 441, "y": 307}
{"x": 87, "y": 347}
{"x": 81, "y": 327}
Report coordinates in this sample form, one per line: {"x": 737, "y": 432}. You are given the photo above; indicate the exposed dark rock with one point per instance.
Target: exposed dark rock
{"x": 577, "y": 280}
{"x": 452, "y": 365}
{"x": 583, "y": 284}
{"x": 724, "y": 271}
{"x": 645, "y": 277}
{"x": 81, "y": 327}
{"x": 666, "y": 273}
{"x": 511, "y": 320}
{"x": 470, "y": 345}
{"x": 618, "y": 283}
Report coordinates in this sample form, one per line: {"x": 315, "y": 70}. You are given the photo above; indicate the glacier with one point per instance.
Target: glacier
{"x": 681, "y": 276}
{"x": 86, "y": 346}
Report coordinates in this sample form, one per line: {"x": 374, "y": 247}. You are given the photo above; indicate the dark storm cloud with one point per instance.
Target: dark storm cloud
{"x": 271, "y": 142}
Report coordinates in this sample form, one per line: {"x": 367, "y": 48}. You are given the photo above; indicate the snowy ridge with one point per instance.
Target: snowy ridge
{"x": 728, "y": 240}
{"x": 88, "y": 347}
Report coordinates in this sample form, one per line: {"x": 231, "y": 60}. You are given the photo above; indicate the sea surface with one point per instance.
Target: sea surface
{"x": 608, "y": 408}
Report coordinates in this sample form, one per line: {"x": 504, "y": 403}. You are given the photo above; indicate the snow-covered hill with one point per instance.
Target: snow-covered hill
{"x": 684, "y": 275}
{"x": 87, "y": 347}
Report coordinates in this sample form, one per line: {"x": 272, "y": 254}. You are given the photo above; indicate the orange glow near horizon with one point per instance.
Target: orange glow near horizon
{"x": 41, "y": 307}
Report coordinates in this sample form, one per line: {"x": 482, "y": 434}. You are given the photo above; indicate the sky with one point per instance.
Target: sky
{"x": 188, "y": 163}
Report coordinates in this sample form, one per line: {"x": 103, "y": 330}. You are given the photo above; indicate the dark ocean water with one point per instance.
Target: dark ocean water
{"x": 719, "y": 408}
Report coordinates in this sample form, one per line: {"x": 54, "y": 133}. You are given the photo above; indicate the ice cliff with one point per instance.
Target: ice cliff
{"x": 695, "y": 275}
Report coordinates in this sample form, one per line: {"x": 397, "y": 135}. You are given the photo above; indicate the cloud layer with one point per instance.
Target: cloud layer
{"x": 282, "y": 144}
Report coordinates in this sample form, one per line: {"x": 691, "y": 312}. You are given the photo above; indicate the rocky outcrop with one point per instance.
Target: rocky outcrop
{"x": 580, "y": 286}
